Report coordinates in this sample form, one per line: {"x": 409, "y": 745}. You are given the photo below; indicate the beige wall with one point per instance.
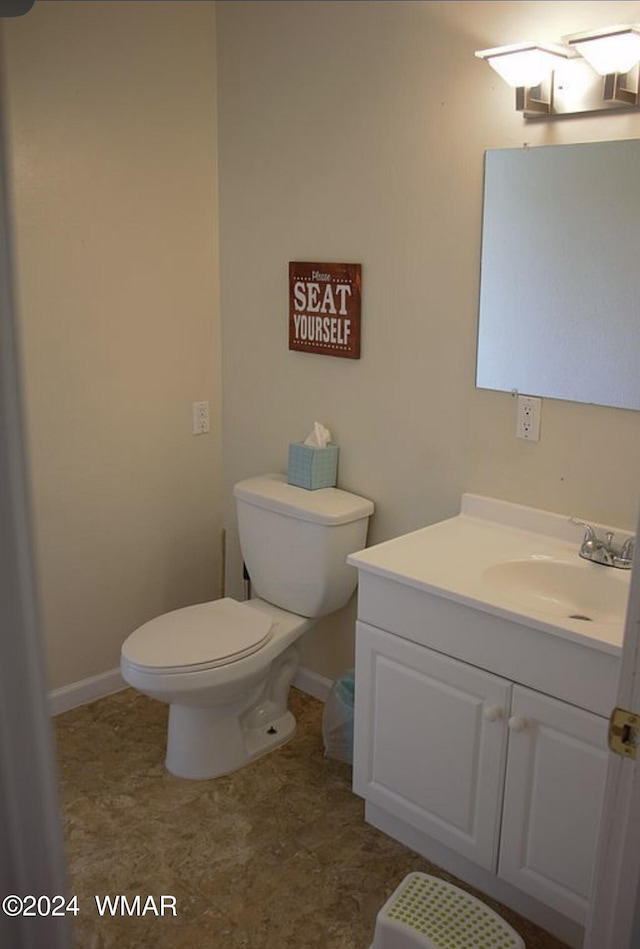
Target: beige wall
{"x": 112, "y": 135}
{"x": 349, "y": 131}
{"x": 355, "y": 131}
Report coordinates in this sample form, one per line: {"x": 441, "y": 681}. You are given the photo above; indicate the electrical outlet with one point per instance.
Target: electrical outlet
{"x": 528, "y": 422}
{"x": 200, "y": 418}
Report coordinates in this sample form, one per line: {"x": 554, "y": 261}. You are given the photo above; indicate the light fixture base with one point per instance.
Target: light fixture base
{"x": 580, "y": 91}
{"x": 616, "y": 88}
{"x": 535, "y": 101}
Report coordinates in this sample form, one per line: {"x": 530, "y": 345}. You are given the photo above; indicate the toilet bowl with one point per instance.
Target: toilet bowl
{"x": 226, "y": 706}
{"x": 225, "y": 667}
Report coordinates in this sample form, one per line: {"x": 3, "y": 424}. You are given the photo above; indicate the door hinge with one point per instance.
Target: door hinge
{"x": 623, "y": 732}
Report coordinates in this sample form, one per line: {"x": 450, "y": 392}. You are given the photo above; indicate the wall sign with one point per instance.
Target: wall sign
{"x": 324, "y": 308}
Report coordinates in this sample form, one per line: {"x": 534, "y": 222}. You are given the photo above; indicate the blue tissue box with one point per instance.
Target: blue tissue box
{"x": 312, "y": 468}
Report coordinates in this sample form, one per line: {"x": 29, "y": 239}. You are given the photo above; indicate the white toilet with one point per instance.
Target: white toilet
{"x": 225, "y": 667}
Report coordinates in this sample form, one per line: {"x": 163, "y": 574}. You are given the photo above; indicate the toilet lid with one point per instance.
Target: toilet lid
{"x": 198, "y": 637}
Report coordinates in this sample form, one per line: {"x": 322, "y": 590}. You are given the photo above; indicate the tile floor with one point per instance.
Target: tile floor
{"x": 275, "y": 856}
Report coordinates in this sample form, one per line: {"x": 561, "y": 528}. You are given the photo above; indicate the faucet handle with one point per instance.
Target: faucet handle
{"x": 628, "y": 550}
{"x": 589, "y": 532}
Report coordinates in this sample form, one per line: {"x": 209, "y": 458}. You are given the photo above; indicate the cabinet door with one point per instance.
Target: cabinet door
{"x": 430, "y": 741}
{"x": 556, "y": 770}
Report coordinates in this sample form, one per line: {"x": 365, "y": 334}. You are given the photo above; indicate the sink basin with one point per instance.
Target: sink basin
{"x": 584, "y": 592}
{"x": 516, "y": 562}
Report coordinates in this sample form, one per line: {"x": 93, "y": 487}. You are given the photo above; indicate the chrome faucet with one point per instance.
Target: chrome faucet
{"x": 604, "y": 550}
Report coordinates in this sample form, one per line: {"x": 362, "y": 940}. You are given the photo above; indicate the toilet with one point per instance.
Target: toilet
{"x": 225, "y": 667}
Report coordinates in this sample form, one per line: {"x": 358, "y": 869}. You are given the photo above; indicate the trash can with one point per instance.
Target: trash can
{"x": 337, "y": 719}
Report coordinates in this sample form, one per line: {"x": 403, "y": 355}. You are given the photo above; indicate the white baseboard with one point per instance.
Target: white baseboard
{"x": 312, "y": 683}
{"x": 88, "y": 690}
{"x": 85, "y": 691}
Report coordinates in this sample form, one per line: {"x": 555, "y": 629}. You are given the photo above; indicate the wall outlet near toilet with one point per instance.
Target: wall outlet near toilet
{"x": 201, "y": 423}
{"x": 528, "y": 419}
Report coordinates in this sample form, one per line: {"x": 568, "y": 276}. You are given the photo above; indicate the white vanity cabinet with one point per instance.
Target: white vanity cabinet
{"x": 487, "y": 661}
{"x": 430, "y": 741}
{"x": 505, "y": 776}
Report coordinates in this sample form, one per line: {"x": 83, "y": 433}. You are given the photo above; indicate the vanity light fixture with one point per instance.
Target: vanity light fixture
{"x": 612, "y": 52}
{"x": 553, "y": 80}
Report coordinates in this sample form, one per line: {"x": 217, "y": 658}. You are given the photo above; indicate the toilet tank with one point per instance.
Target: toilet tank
{"x": 295, "y": 542}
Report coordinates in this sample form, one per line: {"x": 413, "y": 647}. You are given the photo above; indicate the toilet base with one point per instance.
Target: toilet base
{"x": 261, "y": 740}
{"x": 201, "y": 744}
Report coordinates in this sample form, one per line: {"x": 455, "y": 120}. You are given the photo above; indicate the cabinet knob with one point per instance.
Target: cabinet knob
{"x": 517, "y": 723}
{"x": 493, "y": 713}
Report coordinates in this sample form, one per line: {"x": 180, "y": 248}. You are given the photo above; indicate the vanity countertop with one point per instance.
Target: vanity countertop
{"x": 514, "y": 561}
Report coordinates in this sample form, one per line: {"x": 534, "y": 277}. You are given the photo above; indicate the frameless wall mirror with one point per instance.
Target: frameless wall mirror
{"x": 560, "y": 273}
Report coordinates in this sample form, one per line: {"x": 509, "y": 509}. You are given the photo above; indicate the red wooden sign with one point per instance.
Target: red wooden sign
{"x": 324, "y": 309}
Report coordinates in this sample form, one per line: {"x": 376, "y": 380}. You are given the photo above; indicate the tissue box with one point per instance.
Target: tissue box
{"x": 312, "y": 467}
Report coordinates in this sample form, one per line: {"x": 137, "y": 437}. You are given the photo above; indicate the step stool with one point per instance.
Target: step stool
{"x": 428, "y": 913}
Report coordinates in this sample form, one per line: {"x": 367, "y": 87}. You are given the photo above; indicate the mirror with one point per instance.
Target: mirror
{"x": 560, "y": 275}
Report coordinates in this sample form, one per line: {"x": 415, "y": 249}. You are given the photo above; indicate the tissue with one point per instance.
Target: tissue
{"x": 319, "y": 437}
{"x": 313, "y": 463}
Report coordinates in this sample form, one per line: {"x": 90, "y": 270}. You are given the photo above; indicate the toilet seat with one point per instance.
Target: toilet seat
{"x": 196, "y": 638}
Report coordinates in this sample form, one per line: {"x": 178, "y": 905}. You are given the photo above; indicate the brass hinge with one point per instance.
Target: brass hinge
{"x": 623, "y": 732}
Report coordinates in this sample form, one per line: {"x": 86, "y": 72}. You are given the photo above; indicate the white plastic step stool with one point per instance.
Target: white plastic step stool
{"x": 428, "y": 913}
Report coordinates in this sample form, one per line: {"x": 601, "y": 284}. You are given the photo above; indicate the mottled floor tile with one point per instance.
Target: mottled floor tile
{"x": 274, "y": 856}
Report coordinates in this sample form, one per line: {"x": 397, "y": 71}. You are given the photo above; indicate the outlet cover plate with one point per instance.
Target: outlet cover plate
{"x": 201, "y": 423}
{"x": 528, "y": 420}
